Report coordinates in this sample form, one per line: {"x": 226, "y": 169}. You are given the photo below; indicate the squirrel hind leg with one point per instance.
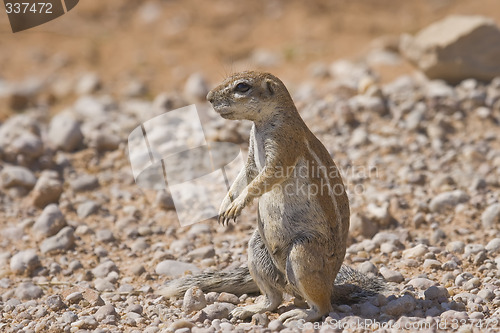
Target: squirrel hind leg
{"x": 313, "y": 278}
{"x": 266, "y": 275}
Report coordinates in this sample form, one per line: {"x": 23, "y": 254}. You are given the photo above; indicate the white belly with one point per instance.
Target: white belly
{"x": 259, "y": 152}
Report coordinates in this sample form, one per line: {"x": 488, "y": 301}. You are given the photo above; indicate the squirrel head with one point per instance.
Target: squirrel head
{"x": 249, "y": 95}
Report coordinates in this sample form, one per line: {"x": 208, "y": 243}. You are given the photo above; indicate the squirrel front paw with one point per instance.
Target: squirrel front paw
{"x": 231, "y": 210}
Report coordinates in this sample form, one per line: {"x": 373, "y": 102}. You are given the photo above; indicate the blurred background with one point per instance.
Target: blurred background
{"x": 158, "y": 44}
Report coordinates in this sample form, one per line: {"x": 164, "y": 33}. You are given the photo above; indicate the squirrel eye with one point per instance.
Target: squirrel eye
{"x": 242, "y": 87}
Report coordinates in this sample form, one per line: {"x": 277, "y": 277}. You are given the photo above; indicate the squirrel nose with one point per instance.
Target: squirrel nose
{"x": 210, "y": 96}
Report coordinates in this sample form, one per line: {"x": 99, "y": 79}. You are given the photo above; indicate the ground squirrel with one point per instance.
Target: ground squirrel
{"x": 303, "y": 211}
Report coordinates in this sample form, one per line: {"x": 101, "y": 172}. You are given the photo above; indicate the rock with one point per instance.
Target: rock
{"x": 87, "y": 208}
{"x": 421, "y": 283}
{"x": 88, "y": 84}
{"x": 175, "y": 268}
{"x": 362, "y": 226}
{"x": 447, "y": 200}
{"x": 74, "y": 298}
{"x": 69, "y": 317}
{"x": 84, "y": 182}
{"x": 104, "y": 311}
{"x": 55, "y": 303}
{"x": 452, "y": 316}
{"x": 456, "y": 48}
{"x": 391, "y": 276}
{"x": 218, "y": 310}
{"x": 20, "y": 139}
{"x": 24, "y": 262}
{"x": 367, "y": 267}
{"x": 399, "y": 306}
{"x": 102, "y": 141}
{"x": 415, "y": 252}
{"x": 491, "y": 216}
{"x": 455, "y": 247}
{"x": 137, "y": 308}
{"x": 27, "y": 290}
{"x": 12, "y": 176}
{"x": 432, "y": 263}
{"x": 194, "y": 300}
{"x": 103, "y": 269}
{"x": 63, "y": 240}
{"x": 493, "y": 246}
{"x": 436, "y": 292}
{"x": 196, "y": 87}
{"x": 64, "y": 132}
{"x": 105, "y": 236}
{"x": 275, "y": 325}
{"x": 48, "y": 189}
{"x": 50, "y": 222}
{"x": 85, "y": 323}
{"x": 486, "y": 294}
{"x": 228, "y": 298}
{"x": 203, "y": 252}
{"x": 101, "y": 284}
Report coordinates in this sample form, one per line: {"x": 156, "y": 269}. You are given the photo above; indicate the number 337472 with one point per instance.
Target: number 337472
{"x": 26, "y": 7}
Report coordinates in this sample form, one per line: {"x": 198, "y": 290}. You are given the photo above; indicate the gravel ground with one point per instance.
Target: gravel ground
{"x": 83, "y": 248}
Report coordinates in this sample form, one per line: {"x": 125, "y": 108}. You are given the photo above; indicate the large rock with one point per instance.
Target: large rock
{"x": 49, "y": 222}
{"x": 456, "y": 48}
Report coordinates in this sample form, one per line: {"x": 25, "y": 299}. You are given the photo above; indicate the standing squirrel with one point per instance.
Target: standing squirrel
{"x": 303, "y": 212}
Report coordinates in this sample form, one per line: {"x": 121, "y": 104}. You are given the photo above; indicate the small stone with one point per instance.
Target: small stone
{"x": 180, "y": 324}
{"x": 64, "y": 240}
{"x": 88, "y": 84}
{"x": 362, "y": 226}
{"x": 69, "y": 317}
{"x": 260, "y": 319}
{"x": 448, "y": 200}
{"x": 87, "y": 208}
{"x": 104, "y": 311}
{"x": 84, "y": 182}
{"x": 452, "y": 316}
{"x": 194, "y": 300}
{"x": 399, "y": 306}
{"x": 175, "y": 268}
{"x": 48, "y": 189}
{"x": 105, "y": 236}
{"x": 436, "y": 292}
{"x": 137, "y": 308}
{"x": 49, "y": 223}
{"x": 27, "y": 290}
{"x": 275, "y": 325}
{"x": 101, "y": 284}
{"x": 202, "y": 253}
{"x": 432, "y": 263}
{"x": 24, "y": 262}
{"x": 228, "y": 298}
{"x": 55, "y": 302}
{"x": 493, "y": 246}
{"x": 74, "y": 298}
{"x": 218, "y": 310}
{"x": 138, "y": 270}
{"x": 196, "y": 87}
{"x": 421, "y": 283}
{"x": 13, "y": 176}
{"x": 455, "y": 247}
{"x": 472, "y": 284}
{"x": 102, "y": 142}
{"x": 491, "y": 216}
{"x": 486, "y": 294}
{"x": 391, "y": 276}
{"x": 367, "y": 267}
{"x": 415, "y": 252}
{"x": 85, "y": 323}
{"x": 64, "y": 132}
{"x": 103, "y": 269}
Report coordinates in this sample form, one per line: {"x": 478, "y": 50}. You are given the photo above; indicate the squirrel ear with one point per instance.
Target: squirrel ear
{"x": 270, "y": 87}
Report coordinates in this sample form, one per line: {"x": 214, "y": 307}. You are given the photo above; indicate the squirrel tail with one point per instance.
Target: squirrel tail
{"x": 352, "y": 286}
{"x": 236, "y": 281}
